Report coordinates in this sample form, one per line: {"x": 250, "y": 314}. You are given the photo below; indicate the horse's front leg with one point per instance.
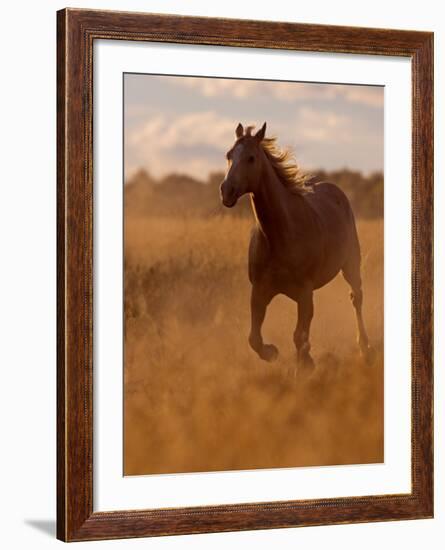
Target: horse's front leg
{"x": 260, "y": 299}
{"x": 301, "y": 334}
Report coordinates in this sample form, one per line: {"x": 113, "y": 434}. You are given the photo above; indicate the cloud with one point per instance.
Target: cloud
{"x": 371, "y": 96}
{"x": 193, "y": 143}
{"x": 322, "y": 125}
{"x": 331, "y": 140}
{"x": 214, "y": 87}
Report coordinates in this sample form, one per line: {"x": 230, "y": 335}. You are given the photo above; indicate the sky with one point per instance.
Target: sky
{"x": 186, "y": 124}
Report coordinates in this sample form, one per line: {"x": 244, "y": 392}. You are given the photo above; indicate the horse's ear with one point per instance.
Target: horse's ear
{"x": 261, "y": 133}
{"x": 239, "y": 130}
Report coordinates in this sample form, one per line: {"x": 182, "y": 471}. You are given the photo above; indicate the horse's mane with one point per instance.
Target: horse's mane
{"x": 285, "y": 166}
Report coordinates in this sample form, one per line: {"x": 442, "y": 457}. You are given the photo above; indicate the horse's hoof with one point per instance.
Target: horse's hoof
{"x": 269, "y": 352}
{"x": 304, "y": 357}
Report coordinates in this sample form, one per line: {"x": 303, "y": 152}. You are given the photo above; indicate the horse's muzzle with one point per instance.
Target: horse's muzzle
{"x": 228, "y": 194}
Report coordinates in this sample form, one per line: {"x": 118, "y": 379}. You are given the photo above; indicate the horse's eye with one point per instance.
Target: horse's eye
{"x": 251, "y": 158}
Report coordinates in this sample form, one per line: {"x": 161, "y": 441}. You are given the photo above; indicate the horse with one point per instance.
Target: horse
{"x": 304, "y": 235}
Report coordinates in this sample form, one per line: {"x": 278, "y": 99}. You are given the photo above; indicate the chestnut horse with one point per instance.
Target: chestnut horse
{"x": 304, "y": 235}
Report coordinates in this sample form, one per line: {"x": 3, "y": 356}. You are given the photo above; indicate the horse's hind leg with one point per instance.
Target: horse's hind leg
{"x": 351, "y": 272}
{"x": 301, "y": 334}
{"x": 259, "y": 301}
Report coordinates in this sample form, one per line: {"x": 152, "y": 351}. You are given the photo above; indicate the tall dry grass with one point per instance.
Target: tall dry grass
{"x": 198, "y": 399}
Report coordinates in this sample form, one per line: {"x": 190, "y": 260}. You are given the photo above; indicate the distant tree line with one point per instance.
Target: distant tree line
{"x": 364, "y": 192}
{"x": 181, "y": 194}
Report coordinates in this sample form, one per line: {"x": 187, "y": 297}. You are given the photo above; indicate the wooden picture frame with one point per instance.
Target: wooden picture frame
{"x": 76, "y": 32}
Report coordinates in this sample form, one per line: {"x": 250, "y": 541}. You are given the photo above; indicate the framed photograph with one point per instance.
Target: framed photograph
{"x": 245, "y": 228}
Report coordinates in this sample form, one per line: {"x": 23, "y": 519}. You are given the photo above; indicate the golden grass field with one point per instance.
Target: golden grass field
{"x": 197, "y": 398}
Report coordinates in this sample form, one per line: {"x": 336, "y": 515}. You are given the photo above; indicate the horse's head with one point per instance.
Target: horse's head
{"x": 244, "y": 165}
